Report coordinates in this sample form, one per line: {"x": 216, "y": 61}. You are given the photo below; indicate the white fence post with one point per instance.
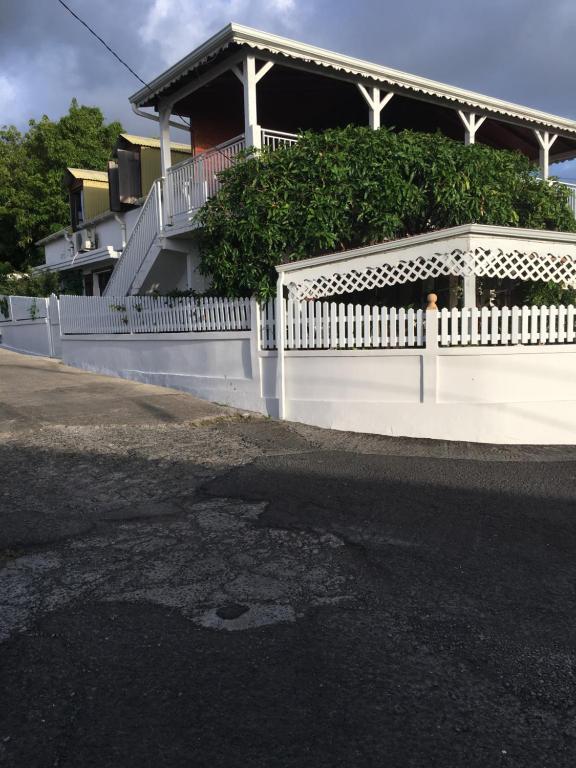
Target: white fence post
{"x": 255, "y": 344}
{"x": 430, "y": 354}
{"x": 53, "y": 315}
{"x": 280, "y": 345}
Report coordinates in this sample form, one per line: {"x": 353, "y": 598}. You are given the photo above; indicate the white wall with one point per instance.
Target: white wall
{"x": 495, "y": 395}
{"x": 108, "y": 231}
{"x": 31, "y": 336}
{"x": 57, "y": 251}
{"x": 214, "y": 366}
{"x": 38, "y": 336}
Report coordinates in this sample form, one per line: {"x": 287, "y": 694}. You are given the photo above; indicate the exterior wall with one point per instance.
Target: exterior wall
{"x": 168, "y": 273}
{"x": 213, "y": 130}
{"x": 96, "y": 199}
{"x": 40, "y": 336}
{"x": 491, "y": 395}
{"x": 150, "y": 167}
{"x": 517, "y": 394}
{"x": 31, "y": 336}
{"x": 215, "y": 366}
{"x": 514, "y": 396}
{"x": 57, "y": 251}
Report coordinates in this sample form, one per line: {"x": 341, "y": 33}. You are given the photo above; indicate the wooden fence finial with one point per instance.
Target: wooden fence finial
{"x": 432, "y": 299}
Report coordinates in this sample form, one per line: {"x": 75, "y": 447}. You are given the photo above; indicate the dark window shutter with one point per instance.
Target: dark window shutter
{"x": 114, "y": 186}
{"x": 130, "y": 189}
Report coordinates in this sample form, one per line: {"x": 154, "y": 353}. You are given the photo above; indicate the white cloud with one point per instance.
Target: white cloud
{"x": 176, "y": 27}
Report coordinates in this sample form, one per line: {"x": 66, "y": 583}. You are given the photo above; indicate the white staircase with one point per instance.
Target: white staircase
{"x": 143, "y": 245}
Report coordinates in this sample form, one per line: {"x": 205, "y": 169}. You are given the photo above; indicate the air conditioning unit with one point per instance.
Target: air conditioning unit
{"x": 85, "y": 240}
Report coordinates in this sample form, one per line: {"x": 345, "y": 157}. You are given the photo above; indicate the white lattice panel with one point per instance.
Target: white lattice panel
{"x": 479, "y": 261}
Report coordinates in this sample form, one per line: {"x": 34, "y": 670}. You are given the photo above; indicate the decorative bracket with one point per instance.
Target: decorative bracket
{"x": 472, "y": 122}
{"x": 376, "y": 101}
{"x": 545, "y": 140}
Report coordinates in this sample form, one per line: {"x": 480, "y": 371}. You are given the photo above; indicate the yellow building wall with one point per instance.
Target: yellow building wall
{"x": 96, "y": 199}
{"x": 150, "y": 166}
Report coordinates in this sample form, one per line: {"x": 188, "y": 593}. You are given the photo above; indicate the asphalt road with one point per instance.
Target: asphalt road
{"x": 183, "y": 585}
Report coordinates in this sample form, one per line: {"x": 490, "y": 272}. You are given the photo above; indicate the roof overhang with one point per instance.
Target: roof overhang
{"x": 101, "y": 256}
{"x": 470, "y": 249}
{"x": 275, "y": 46}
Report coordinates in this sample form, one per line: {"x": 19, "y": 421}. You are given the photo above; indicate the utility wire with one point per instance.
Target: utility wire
{"x": 116, "y": 56}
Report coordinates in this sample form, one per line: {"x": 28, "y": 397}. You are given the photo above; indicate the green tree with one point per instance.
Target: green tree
{"x": 33, "y": 201}
{"x": 354, "y": 186}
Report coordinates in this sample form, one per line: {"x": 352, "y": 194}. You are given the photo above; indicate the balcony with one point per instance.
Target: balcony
{"x": 572, "y": 201}
{"x": 191, "y": 183}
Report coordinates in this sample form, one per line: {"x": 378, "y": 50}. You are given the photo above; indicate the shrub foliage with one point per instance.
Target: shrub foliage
{"x": 354, "y": 186}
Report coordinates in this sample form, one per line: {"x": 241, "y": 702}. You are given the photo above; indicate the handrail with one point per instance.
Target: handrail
{"x": 195, "y": 158}
{"x": 145, "y": 231}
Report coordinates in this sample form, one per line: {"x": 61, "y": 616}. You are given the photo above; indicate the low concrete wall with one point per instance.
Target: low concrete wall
{"x": 212, "y": 365}
{"x": 495, "y": 395}
{"x": 30, "y": 336}
{"x": 478, "y": 394}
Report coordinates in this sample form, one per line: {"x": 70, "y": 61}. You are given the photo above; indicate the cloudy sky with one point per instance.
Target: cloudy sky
{"x": 520, "y": 50}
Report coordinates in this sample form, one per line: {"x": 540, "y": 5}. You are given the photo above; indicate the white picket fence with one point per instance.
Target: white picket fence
{"x": 151, "y": 314}
{"x": 329, "y": 325}
{"x": 507, "y": 326}
{"x": 15, "y": 308}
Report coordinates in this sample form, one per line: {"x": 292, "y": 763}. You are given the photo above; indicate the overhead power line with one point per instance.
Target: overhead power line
{"x": 113, "y": 52}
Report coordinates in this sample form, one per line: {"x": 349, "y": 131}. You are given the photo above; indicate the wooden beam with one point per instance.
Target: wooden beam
{"x": 376, "y": 103}
{"x": 264, "y": 69}
{"x": 545, "y": 140}
{"x": 471, "y": 123}
{"x": 202, "y": 80}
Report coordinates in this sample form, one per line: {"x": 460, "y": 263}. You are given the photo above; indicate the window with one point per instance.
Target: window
{"x": 77, "y": 207}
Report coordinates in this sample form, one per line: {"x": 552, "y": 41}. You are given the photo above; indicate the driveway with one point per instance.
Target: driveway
{"x": 185, "y": 585}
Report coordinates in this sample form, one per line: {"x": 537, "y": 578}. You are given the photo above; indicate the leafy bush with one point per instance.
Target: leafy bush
{"x": 350, "y": 187}
{"x": 541, "y": 293}
{"x": 27, "y": 283}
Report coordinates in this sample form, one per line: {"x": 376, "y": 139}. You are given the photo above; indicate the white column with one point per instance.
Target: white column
{"x": 251, "y": 127}
{"x": 470, "y": 291}
{"x": 280, "y": 325}
{"x": 429, "y": 391}
{"x": 376, "y": 102}
{"x": 471, "y": 123}
{"x": 189, "y": 271}
{"x": 165, "y": 154}
{"x": 255, "y": 360}
{"x": 545, "y": 140}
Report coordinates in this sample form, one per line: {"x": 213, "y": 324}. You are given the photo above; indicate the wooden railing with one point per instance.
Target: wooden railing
{"x": 277, "y": 139}
{"x": 191, "y": 183}
{"x": 572, "y": 199}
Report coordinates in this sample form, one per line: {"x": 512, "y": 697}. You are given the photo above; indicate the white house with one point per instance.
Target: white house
{"x": 244, "y": 87}
{"x": 315, "y": 354}
{"x": 104, "y": 207}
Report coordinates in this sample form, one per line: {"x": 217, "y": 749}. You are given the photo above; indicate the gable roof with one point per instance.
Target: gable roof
{"x": 146, "y": 141}
{"x": 85, "y": 174}
{"x": 234, "y": 35}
